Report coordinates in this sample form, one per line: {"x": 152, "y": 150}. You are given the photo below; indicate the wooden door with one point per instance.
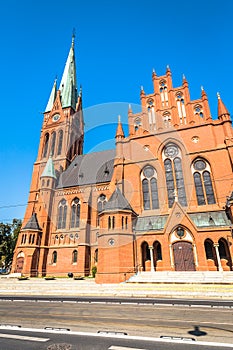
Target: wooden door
{"x": 19, "y": 264}
{"x": 183, "y": 256}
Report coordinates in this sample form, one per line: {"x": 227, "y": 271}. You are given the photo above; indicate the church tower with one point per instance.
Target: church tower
{"x": 61, "y": 140}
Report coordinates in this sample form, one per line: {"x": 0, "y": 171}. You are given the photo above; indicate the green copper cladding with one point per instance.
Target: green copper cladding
{"x": 49, "y": 170}
{"x": 52, "y": 97}
{"x": 68, "y": 85}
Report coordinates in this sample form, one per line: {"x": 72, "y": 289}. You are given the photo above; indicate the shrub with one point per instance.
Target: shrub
{"x": 94, "y": 271}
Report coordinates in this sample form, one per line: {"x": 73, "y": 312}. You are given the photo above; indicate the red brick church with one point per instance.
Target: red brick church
{"x": 160, "y": 201}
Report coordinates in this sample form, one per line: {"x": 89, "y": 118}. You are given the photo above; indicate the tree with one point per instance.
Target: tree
{"x": 8, "y": 237}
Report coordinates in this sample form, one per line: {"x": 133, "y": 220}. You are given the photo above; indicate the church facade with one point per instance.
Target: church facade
{"x": 160, "y": 201}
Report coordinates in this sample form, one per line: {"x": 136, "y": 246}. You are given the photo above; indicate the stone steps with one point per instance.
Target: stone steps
{"x": 183, "y": 277}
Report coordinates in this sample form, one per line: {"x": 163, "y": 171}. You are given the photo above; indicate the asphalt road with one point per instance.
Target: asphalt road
{"x": 205, "y": 323}
{"x": 24, "y": 340}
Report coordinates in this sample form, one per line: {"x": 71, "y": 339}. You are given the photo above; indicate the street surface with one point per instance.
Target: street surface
{"x": 39, "y": 340}
{"x": 201, "y": 323}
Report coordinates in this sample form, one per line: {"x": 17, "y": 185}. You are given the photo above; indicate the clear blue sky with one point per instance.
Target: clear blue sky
{"x": 118, "y": 43}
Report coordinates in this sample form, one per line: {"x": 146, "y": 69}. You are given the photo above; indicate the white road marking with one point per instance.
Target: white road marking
{"x": 128, "y": 337}
{"x": 23, "y": 337}
{"x": 123, "y": 348}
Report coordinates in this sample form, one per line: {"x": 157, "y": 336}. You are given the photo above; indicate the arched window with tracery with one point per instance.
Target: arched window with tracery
{"x": 149, "y": 188}
{"x": 198, "y": 110}
{"x": 53, "y": 142}
{"x": 61, "y": 215}
{"x": 163, "y": 93}
{"x": 203, "y": 182}
{"x": 75, "y": 213}
{"x": 60, "y": 141}
{"x": 174, "y": 174}
{"x": 46, "y": 145}
{"x": 181, "y": 107}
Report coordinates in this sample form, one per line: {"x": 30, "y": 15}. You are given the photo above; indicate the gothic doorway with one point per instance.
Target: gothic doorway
{"x": 183, "y": 256}
{"x": 19, "y": 264}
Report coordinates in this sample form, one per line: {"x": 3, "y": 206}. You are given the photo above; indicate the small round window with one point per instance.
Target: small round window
{"x": 148, "y": 171}
{"x": 199, "y": 165}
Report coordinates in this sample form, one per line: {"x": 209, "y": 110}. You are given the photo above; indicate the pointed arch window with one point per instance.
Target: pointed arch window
{"x": 46, "y": 144}
{"x": 101, "y": 201}
{"x": 61, "y": 215}
{"x": 60, "y": 141}
{"x": 75, "y": 257}
{"x": 203, "y": 182}
{"x": 75, "y": 213}
{"x": 198, "y": 110}
{"x": 151, "y": 114}
{"x": 163, "y": 93}
{"x": 167, "y": 119}
{"x": 209, "y": 249}
{"x": 53, "y": 142}
{"x": 149, "y": 188}
{"x": 174, "y": 174}
{"x": 111, "y": 222}
{"x": 71, "y": 150}
{"x": 54, "y": 257}
{"x": 181, "y": 107}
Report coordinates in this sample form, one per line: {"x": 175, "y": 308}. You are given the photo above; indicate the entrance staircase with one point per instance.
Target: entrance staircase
{"x": 217, "y": 277}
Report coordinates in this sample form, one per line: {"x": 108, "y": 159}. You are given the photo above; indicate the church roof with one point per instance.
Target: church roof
{"x": 49, "y": 170}
{"x": 222, "y": 110}
{"x": 91, "y": 168}
{"x": 52, "y": 97}
{"x": 117, "y": 201}
{"x": 32, "y": 224}
{"x": 68, "y": 85}
{"x": 150, "y": 223}
{"x": 210, "y": 219}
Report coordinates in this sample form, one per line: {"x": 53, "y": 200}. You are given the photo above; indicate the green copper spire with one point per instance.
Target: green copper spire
{"x": 52, "y": 97}
{"x": 49, "y": 170}
{"x": 68, "y": 86}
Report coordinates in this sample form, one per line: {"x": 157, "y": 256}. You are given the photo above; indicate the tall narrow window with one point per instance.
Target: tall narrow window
{"x": 61, "y": 215}
{"x": 101, "y": 201}
{"x": 163, "y": 93}
{"x": 181, "y": 108}
{"x": 109, "y": 222}
{"x": 174, "y": 174}
{"x": 151, "y": 114}
{"x": 149, "y": 188}
{"x": 203, "y": 183}
{"x": 167, "y": 119}
{"x": 46, "y": 145}
{"x": 75, "y": 256}
{"x": 53, "y": 143}
{"x": 60, "y": 141}
{"x": 75, "y": 213}
{"x": 72, "y": 146}
{"x": 122, "y": 222}
{"x": 54, "y": 257}
{"x": 96, "y": 256}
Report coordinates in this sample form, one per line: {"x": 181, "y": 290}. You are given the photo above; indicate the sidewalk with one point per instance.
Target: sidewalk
{"x": 88, "y": 287}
